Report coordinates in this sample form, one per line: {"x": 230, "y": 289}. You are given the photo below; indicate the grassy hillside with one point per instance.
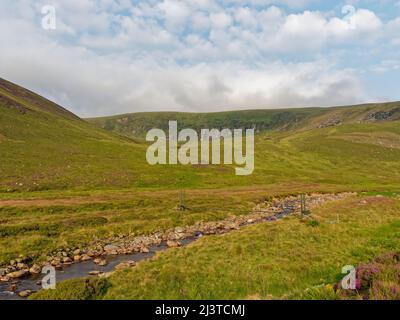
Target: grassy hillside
{"x": 137, "y": 124}
{"x": 44, "y": 147}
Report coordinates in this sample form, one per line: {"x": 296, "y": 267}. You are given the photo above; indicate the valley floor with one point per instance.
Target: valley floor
{"x": 284, "y": 259}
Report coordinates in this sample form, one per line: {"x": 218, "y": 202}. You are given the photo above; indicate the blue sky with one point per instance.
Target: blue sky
{"x": 109, "y": 57}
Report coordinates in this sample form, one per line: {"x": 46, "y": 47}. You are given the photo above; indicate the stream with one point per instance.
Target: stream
{"x": 82, "y": 269}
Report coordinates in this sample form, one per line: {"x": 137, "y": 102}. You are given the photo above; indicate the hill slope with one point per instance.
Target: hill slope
{"x": 16, "y": 97}
{"x": 137, "y": 124}
{"x": 43, "y": 146}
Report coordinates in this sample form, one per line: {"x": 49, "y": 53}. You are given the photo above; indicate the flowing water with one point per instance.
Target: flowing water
{"x": 82, "y": 269}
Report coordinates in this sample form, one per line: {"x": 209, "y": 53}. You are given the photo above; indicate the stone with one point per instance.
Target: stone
{"x": 110, "y": 247}
{"x": 18, "y": 274}
{"x": 144, "y": 250}
{"x": 125, "y": 265}
{"x": 5, "y": 279}
{"x": 91, "y": 253}
{"x": 77, "y": 258}
{"x": 77, "y": 252}
{"x": 12, "y": 288}
{"x": 35, "y": 269}
{"x": 67, "y": 260}
{"x": 94, "y": 273}
{"x": 100, "y": 262}
{"x": 25, "y": 293}
{"x": 85, "y": 257}
{"x": 179, "y": 230}
{"x": 173, "y": 244}
{"x": 103, "y": 263}
{"x": 56, "y": 262}
{"x": 3, "y": 272}
{"x": 21, "y": 266}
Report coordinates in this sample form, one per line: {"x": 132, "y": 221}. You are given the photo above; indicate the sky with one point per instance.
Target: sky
{"x": 108, "y": 57}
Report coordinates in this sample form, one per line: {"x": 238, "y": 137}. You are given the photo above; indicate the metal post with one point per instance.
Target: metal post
{"x": 182, "y": 200}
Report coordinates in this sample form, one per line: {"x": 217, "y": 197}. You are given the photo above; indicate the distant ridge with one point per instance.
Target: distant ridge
{"x": 137, "y": 124}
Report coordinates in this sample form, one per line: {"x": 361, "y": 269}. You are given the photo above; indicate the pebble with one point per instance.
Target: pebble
{"x": 25, "y": 293}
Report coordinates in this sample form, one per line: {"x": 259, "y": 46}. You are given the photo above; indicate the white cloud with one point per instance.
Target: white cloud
{"x": 109, "y": 57}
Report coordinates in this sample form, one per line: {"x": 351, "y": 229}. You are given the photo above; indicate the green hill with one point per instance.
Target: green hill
{"x": 137, "y": 124}
{"x": 45, "y": 147}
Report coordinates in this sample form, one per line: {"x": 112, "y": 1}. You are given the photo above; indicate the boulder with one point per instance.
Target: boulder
{"x": 66, "y": 260}
{"x": 35, "y": 269}
{"x": 103, "y": 263}
{"x": 18, "y": 274}
{"x": 77, "y": 258}
{"x": 21, "y": 266}
{"x": 3, "y": 272}
{"x": 85, "y": 257}
{"x": 100, "y": 262}
{"x": 125, "y": 265}
{"x": 25, "y": 293}
{"x": 12, "y": 288}
{"x": 110, "y": 247}
{"x": 173, "y": 244}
